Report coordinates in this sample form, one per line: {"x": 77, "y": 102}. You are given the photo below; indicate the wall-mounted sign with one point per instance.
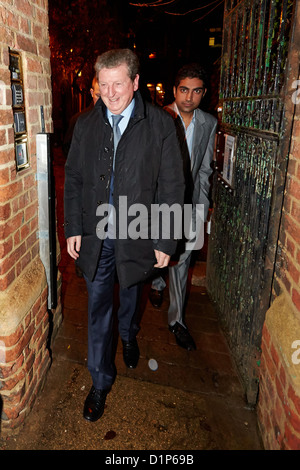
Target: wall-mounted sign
{"x": 229, "y": 158}
{"x": 18, "y": 104}
{"x": 21, "y": 154}
{"x": 225, "y": 158}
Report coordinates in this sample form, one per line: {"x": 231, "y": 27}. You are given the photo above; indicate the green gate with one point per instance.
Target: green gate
{"x": 252, "y": 155}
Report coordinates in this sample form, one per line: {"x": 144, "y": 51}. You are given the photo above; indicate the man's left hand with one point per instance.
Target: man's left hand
{"x": 162, "y": 259}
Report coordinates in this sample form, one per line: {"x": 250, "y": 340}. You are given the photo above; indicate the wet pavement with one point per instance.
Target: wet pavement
{"x": 192, "y": 401}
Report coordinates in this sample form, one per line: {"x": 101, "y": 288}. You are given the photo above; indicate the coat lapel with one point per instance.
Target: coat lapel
{"x": 196, "y": 156}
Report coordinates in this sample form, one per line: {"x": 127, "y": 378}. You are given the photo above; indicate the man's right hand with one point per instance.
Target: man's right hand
{"x": 73, "y": 246}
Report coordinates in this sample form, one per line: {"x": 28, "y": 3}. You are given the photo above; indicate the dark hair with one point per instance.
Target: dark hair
{"x": 116, "y": 57}
{"x": 193, "y": 70}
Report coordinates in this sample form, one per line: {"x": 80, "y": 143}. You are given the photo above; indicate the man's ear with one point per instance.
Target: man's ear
{"x": 136, "y": 82}
{"x": 174, "y": 91}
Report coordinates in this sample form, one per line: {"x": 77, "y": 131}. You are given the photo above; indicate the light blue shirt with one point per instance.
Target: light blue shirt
{"x": 122, "y": 126}
{"x": 126, "y": 116}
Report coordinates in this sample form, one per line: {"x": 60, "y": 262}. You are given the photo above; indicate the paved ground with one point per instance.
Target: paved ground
{"x": 193, "y": 401}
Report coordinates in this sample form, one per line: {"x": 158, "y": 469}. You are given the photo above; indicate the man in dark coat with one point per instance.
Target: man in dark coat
{"x": 95, "y": 94}
{"x": 108, "y": 178}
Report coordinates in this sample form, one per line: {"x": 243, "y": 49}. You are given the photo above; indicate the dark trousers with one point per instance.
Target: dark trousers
{"x": 100, "y": 317}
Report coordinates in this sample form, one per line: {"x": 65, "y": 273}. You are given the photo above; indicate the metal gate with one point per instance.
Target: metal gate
{"x": 252, "y": 154}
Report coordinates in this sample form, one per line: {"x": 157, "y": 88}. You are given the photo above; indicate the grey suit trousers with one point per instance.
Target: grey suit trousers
{"x": 178, "y": 274}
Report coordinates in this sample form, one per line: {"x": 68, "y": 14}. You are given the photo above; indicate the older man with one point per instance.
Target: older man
{"x": 137, "y": 159}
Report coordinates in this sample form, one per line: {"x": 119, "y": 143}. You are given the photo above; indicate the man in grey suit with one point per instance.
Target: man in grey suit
{"x": 196, "y": 132}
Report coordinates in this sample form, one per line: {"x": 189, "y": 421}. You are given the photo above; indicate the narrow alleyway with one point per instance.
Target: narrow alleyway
{"x": 193, "y": 401}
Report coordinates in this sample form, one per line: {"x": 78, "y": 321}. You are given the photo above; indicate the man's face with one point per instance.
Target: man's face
{"x": 189, "y": 94}
{"x": 95, "y": 92}
{"x": 117, "y": 88}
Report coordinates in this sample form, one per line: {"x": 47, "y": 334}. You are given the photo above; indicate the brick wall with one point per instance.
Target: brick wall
{"x": 288, "y": 267}
{"x": 24, "y": 317}
{"x": 279, "y": 391}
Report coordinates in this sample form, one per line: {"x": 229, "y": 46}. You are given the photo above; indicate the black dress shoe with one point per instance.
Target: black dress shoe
{"x": 183, "y": 337}
{"x": 131, "y": 353}
{"x": 94, "y": 404}
{"x": 156, "y": 297}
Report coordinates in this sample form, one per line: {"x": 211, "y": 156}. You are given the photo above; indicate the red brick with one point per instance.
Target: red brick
{"x": 42, "y": 17}
{"x": 24, "y": 6}
{"x": 5, "y": 211}
{"x": 292, "y": 441}
{"x": 296, "y": 298}
{"x": 13, "y": 380}
{"x": 295, "y": 398}
{"x": 6, "y": 280}
{"x": 26, "y": 44}
{"x": 30, "y": 212}
{"x": 6, "y": 119}
{"x": 9, "y": 191}
{"x": 24, "y": 231}
{"x": 281, "y": 395}
{"x": 35, "y": 249}
{"x": 10, "y": 369}
{"x": 11, "y": 226}
{"x": 29, "y": 361}
{"x": 270, "y": 388}
{"x": 28, "y": 181}
{"x": 295, "y": 212}
{"x": 34, "y": 65}
{"x": 11, "y": 20}
{"x": 11, "y": 259}
{"x": 42, "y": 340}
{"x": 293, "y": 271}
{"x": 14, "y": 353}
{"x": 12, "y": 339}
{"x": 292, "y": 166}
{"x": 266, "y": 334}
{"x": 7, "y": 156}
{"x": 270, "y": 365}
{"x": 292, "y": 228}
{"x": 290, "y": 246}
{"x": 25, "y": 261}
{"x": 294, "y": 188}
{"x": 294, "y": 420}
{"x": 282, "y": 376}
{"x": 6, "y": 247}
{"x": 295, "y": 148}
{"x": 31, "y": 240}
{"x": 274, "y": 356}
{"x": 3, "y": 137}
{"x": 27, "y": 319}
{"x": 298, "y": 257}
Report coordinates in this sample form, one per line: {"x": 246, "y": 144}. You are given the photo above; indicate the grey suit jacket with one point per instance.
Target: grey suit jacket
{"x": 202, "y": 154}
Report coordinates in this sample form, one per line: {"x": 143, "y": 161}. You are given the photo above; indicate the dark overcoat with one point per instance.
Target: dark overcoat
{"x": 148, "y": 169}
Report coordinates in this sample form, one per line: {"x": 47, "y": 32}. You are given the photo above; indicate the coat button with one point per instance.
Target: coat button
{"x": 102, "y": 177}
{"x": 99, "y": 203}
{"x": 106, "y": 149}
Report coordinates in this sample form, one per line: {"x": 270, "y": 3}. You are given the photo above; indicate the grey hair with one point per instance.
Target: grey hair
{"x": 116, "y": 57}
